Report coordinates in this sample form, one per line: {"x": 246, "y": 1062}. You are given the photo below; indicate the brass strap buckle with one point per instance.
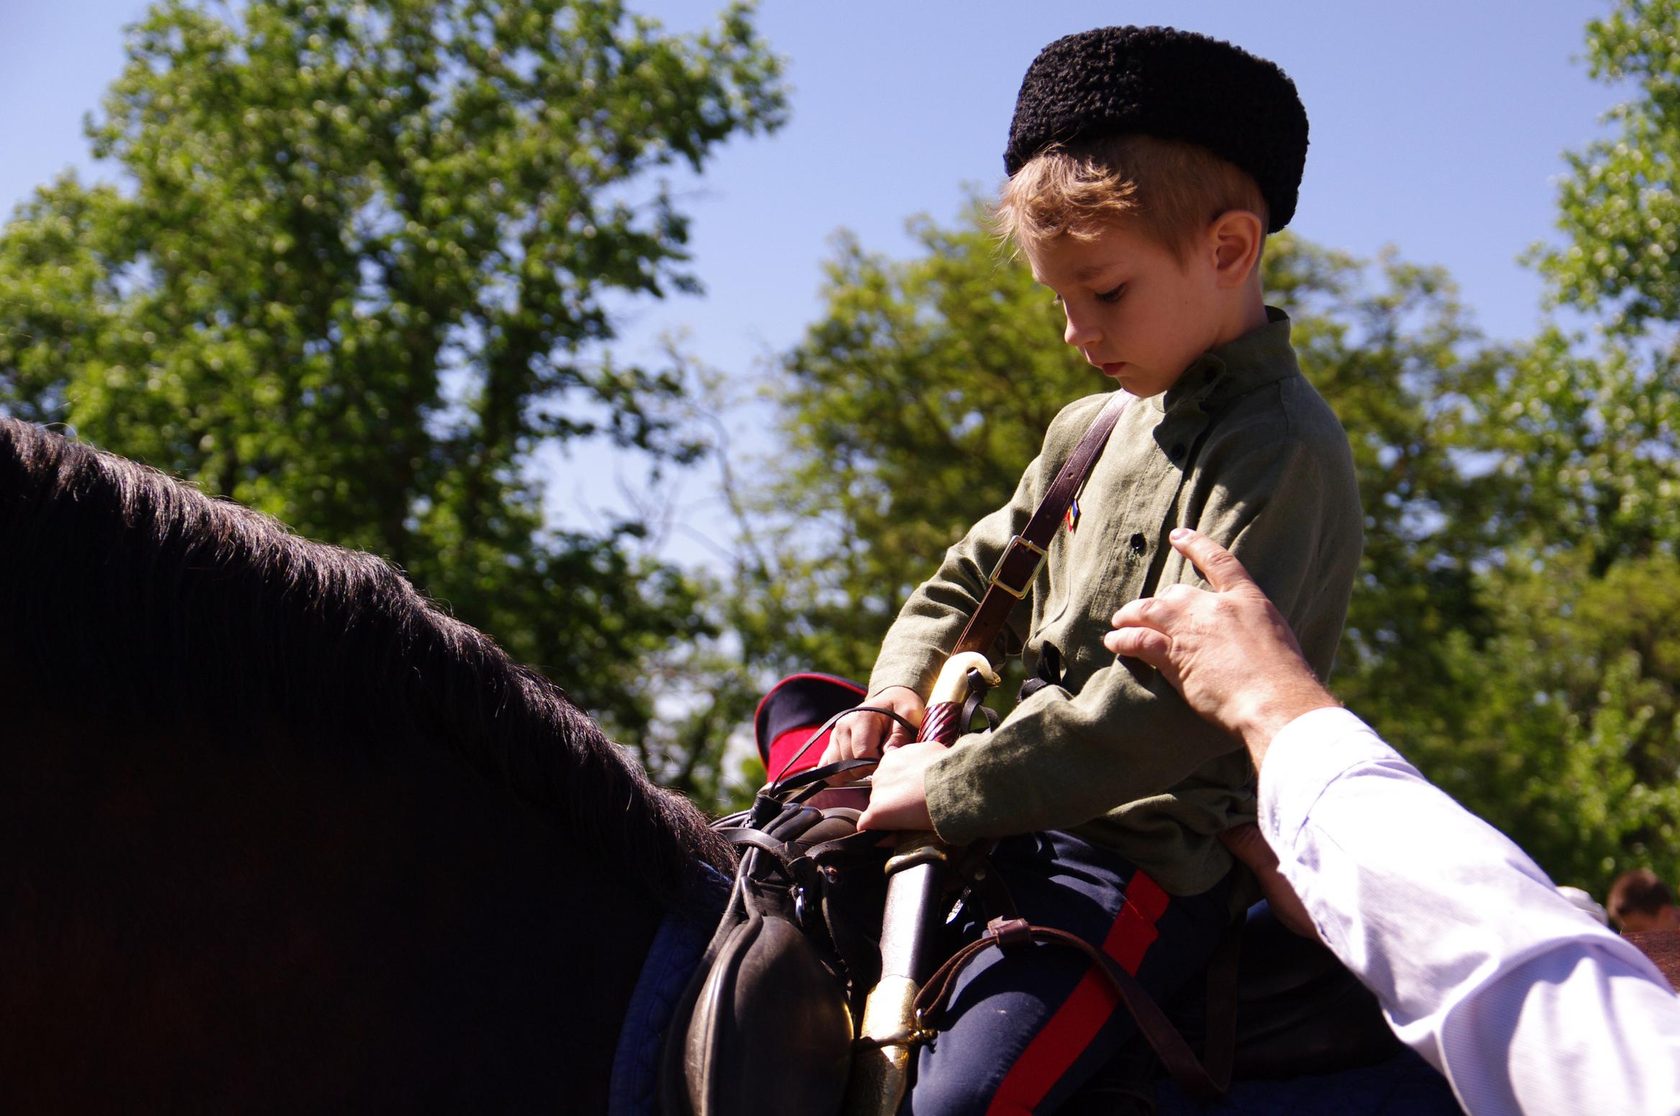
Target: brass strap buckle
{"x": 1009, "y": 552}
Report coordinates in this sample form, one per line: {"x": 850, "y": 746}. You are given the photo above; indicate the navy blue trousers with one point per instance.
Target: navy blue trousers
{"x": 1025, "y": 1028}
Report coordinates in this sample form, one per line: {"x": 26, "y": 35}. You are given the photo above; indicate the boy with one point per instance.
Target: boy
{"x": 1146, "y": 167}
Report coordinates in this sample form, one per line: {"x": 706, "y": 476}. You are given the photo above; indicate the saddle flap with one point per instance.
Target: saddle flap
{"x": 770, "y": 1032}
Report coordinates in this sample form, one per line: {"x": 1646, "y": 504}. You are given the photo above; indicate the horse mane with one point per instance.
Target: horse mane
{"x": 130, "y": 595}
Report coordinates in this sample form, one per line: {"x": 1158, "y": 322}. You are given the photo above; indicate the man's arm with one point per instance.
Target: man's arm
{"x": 1526, "y": 1004}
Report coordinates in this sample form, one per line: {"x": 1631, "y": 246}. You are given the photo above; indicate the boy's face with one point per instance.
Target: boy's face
{"x": 1133, "y": 308}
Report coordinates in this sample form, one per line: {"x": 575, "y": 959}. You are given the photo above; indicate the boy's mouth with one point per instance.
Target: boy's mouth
{"x": 1113, "y": 369}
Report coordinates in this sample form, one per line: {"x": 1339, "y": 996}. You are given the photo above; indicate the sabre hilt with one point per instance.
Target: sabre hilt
{"x": 915, "y": 880}
{"x": 943, "y": 722}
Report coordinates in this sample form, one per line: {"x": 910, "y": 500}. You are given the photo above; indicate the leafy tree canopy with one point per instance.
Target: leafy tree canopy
{"x": 1574, "y": 732}
{"x": 357, "y": 273}
{"x": 1619, "y": 207}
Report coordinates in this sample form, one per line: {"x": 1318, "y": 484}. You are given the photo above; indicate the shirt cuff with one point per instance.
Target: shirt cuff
{"x": 1305, "y": 757}
{"x": 911, "y": 664}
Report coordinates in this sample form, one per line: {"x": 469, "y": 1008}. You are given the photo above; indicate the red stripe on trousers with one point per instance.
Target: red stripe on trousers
{"x": 1067, "y": 1033}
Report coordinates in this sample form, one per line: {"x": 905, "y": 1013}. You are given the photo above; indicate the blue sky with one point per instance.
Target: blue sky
{"x": 1437, "y": 128}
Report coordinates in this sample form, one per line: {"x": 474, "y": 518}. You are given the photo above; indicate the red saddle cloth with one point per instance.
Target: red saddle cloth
{"x": 788, "y": 715}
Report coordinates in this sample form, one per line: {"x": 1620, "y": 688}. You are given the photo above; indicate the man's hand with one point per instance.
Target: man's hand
{"x": 897, "y": 796}
{"x": 1248, "y": 845}
{"x": 864, "y": 735}
{"x": 1229, "y": 651}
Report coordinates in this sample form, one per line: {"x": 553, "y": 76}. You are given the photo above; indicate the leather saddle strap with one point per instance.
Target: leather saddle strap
{"x": 1152, "y": 1022}
{"x": 1219, "y": 1050}
{"x": 1015, "y": 570}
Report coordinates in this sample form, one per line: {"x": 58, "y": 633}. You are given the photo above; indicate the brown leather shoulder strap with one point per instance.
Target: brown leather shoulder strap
{"x": 1015, "y": 570}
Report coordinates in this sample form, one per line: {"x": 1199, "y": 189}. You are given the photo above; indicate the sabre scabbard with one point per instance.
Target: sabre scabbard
{"x": 915, "y": 880}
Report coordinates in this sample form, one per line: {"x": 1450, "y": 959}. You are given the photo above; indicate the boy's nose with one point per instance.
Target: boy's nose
{"x": 1079, "y": 332}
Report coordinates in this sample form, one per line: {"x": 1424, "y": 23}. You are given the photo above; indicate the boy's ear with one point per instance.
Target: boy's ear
{"x": 1235, "y": 238}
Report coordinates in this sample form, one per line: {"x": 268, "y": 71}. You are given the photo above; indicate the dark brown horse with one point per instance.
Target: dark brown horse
{"x": 278, "y": 833}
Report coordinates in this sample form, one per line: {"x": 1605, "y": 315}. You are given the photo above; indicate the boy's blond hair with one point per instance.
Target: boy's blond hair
{"x": 1169, "y": 189}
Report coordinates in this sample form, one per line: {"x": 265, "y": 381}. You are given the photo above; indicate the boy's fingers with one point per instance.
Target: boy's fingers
{"x": 1217, "y": 564}
{"x": 835, "y": 749}
{"x": 847, "y": 742}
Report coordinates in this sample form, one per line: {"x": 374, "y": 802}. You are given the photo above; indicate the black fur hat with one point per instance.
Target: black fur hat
{"x": 1171, "y": 84}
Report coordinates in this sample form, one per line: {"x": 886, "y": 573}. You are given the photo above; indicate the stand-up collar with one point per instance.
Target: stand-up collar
{"x": 1259, "y": 357}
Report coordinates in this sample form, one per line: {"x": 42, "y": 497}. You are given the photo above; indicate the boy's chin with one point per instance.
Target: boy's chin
{"x": 1133, "y": 379}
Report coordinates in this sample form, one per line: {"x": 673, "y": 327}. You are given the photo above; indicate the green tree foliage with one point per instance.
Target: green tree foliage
{"x": 358, "y": 273}
{"x": 1619, "y": 208}
{"x": 1589, "y": 418}
{"x": 1576, "y": 739}
{"x": 1391, "y": 349}
{"x": 1572, "y": 746}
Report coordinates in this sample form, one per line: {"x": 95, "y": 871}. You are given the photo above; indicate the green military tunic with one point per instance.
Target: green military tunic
{"x": 1241, "y": 448}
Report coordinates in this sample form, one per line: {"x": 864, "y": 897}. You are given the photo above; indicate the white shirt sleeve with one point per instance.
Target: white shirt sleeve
{"x": 1524, "y": 1002}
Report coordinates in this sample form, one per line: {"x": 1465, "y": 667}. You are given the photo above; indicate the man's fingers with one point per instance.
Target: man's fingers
{"x": 1140, "y": 631}
{"x": 1217, "y": 564}
{"x": 1139, "y": 643}
{"x": 1145, "y": 612}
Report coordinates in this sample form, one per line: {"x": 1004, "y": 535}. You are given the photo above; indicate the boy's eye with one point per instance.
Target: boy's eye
{"x": 1112, "y": 296}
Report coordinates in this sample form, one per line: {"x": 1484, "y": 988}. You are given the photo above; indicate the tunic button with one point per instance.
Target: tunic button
{"x": 1139, "y": 543}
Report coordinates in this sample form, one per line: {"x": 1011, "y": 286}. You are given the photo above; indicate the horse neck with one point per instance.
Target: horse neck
{"x": 295, "y": 924}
